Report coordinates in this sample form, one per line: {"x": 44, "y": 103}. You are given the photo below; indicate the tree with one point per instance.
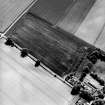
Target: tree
{"x": 85, "y": 94}
{"x": 24, "y": 52}
{"x": 93, "y": 58}
{"x": 94, "y": 55}
{"x": 102, "y": 58}
{"x": 76, "y": 89}
{"x": 97, "y": 78}
{"x": 90, "y": 65}
{"x": 37, "y": 63}
{"x": 101, "y": 81}
{"x": 86, "y": 69}
{"x": 67, "y": 78}
{"x": 83, "y": 75}
{"x": 103, "y": 89}
{"x": 9, "y": 42}
{"x": 100, "y": 94}
{"x": 93, "y": 75}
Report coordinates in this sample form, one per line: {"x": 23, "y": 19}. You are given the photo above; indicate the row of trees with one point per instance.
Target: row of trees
{"x": 97, "y": 78}
{"x": 86, "y": 70}
{"x": 24, "y": 51}
{"x": 85, "y": 94}
{"x": 79, "y": 89}
{"x": 95, "y": 55}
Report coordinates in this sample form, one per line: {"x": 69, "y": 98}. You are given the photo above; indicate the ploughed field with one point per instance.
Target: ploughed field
{"x": 55, "y": 48}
